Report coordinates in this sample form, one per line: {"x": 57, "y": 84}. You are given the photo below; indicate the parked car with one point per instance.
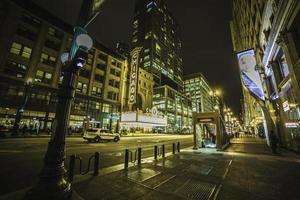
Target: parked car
{"x": 3, "y": 131}
{"x": 97, "y": 135}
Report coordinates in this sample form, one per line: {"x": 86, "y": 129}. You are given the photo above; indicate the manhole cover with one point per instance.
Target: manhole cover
{"x": 141, "y": 175}
{"x": 193, "y": 189}
{"x": 199, "y": 169}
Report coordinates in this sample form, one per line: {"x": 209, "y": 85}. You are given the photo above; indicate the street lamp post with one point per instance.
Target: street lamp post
{"x": 53, "y": 183}
{"x": 20, "y": 110}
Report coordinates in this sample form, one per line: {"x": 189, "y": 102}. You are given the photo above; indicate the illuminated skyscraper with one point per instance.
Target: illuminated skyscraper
{"x": 158, "y": 33}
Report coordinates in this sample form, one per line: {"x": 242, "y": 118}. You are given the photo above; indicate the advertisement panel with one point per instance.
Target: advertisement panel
{"x": 134, "y": 70}
{"x": 249, "y": 74}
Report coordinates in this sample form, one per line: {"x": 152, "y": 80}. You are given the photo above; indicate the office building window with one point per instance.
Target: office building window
{"x": 98, "y": 78}
{"x": 52, "y": 45}
{"x": 47, "y": 59}
{"x": 97, "y": 91}
{"x": 115, "y": 72}
{"x": 28, "y": 19}
{"x": 119, "y": 65}
{"x": 114, "y": 83}
{"x": 81, "y": 87}
{"x": 43, "y": 77}
{"x": 85, "y": 73}
{"x": 112, "y": 95}
{"x": 15, "y": 69}
{"x": 113, "y": 62}
{"x": 102, "y": 56}
{"x": 24, "y": 32}
{"x": 106, "y": 108}
{"x": 20, "y": 50}
{"x": 55, "y": 33}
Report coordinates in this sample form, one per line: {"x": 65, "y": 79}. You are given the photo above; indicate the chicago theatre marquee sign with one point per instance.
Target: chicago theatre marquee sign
{"x": 134, "y": 74}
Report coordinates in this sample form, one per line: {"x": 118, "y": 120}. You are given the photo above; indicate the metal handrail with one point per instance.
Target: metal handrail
{"x": 73, "y": 159}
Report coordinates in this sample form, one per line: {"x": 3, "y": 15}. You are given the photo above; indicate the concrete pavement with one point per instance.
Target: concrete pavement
{"x": 200, "y": 174}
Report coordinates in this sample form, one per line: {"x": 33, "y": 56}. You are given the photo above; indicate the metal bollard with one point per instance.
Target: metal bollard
{"x": 139, "y": 156}
{"x": 155, "y": 152}
{"x": 126, "y": 158}
{"x": 71, "y": 167}
{"x": 163, "y": 150}
{"x": 178, "y": 147}
{"x": 96, "y": 163}
{"x": 173, "y": 148}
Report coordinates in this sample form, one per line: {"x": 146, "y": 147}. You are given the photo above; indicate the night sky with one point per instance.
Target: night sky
{"x": 205, "y": 34}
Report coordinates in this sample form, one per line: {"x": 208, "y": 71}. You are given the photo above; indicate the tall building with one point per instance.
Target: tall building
{"x": 197, "y": 88}
{"x": 176, "y": 107}
{"x": 157, "y": 32}
{"x": 271, "y": 28}
{"x": 31, "y": 42}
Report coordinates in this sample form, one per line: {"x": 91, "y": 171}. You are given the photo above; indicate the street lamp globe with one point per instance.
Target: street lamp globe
{"x": 84, "y": 41}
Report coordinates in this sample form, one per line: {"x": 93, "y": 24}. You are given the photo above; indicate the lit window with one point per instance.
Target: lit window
{"x": 26, "y": 52}
{"x": 21, "y": 50}
{"x": 15, "y": 48}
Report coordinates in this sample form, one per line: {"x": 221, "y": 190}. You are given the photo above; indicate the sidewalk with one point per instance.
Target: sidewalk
{"x": 198, "y": 174}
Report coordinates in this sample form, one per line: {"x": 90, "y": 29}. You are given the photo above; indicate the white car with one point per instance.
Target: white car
{"x": 100, "y": 134}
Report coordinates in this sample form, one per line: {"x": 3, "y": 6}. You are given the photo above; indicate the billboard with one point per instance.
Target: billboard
{"x": 249, "y": 74}
{"x": 134, "y": 70}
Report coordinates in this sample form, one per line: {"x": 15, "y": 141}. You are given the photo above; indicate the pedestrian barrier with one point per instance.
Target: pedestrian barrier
{"x": 129, "y": 157}
{"x": 72, "y": 163}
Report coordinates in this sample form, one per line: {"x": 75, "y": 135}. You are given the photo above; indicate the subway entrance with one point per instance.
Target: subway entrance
{"x": 209, "y": 131}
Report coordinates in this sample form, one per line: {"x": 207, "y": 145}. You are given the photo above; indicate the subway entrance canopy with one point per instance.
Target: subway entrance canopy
{"x": 209, "y": 126}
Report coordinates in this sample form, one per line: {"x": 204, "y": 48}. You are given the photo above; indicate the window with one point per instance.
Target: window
{"x": 115, "y": 72}
{"x": 15, "y": 69}
{"x": 98, "y": 78}
{"x": 114, "y": 83}
{"x": 43, "y": 77}
{"x": 20, "y": 50}
{"x": 29, "y": 19}
{"x": 81, "y": 87}
{"x": 97, "y": 91}
{"x": 47, "y": 59}
{"x": 113, "y": 95}
{"x": 119, "y": 65}
{"x": 113, "y": 62}
{"x": 52, "y": 45}
{"x": 102, "y": 56}
{"x": 157, "y": 49}
{"x": 85, "y": 73}
{"x": 106, "y": 108}
{"x": 90, "y": 59}
{"x": 55, "y": 33}
{"x": 16, "y": 48}
{"x": 23, "y": 31}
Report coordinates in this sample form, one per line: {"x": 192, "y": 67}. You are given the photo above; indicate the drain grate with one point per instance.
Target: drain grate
{"x": 193, "y": 189}
{"x": 199, "y": 169}
{"x": 141, "y": 175}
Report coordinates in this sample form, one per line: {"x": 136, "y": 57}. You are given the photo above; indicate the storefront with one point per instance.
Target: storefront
{"x": 139, "y": 122}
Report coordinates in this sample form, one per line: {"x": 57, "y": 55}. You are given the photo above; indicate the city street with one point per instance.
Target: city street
{"x": 21, "y": 158}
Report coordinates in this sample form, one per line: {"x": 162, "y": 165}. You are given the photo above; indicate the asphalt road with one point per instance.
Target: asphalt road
{"x": 21, "y": 159}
